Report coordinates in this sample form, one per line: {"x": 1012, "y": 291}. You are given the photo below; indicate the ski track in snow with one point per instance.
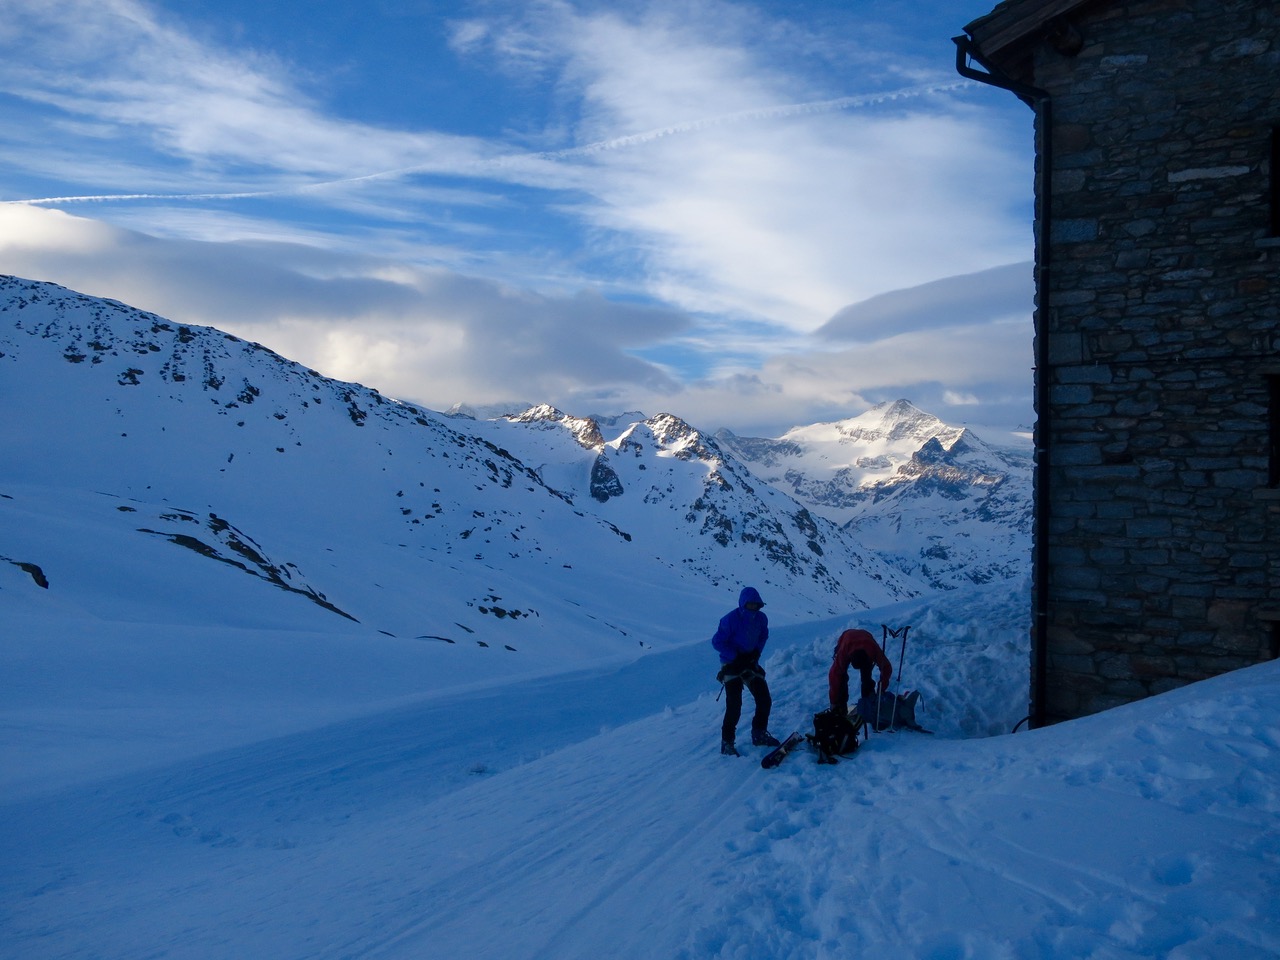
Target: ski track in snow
{"x": 455, "y": 828}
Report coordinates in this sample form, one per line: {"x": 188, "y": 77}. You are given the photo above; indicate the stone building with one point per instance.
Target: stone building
{"x": 1157, "y": 130}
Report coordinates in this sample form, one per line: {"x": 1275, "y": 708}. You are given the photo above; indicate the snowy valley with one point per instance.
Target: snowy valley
{"x": 291, "y": 669}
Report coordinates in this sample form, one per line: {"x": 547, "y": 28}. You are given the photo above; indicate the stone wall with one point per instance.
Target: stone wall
{"x": 1160, "y": 298}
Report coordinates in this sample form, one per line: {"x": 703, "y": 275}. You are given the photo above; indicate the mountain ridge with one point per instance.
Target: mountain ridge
{"x": 265, "y": 474}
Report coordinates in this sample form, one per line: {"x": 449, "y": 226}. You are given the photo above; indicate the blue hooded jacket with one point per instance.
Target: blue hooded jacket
{"x": 742, "y": 631}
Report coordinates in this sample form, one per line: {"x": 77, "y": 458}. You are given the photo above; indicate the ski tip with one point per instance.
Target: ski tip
{"x": 779, "y": 753}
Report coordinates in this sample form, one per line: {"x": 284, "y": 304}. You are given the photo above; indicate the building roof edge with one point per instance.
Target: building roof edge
{"x": 1015, "y": 21}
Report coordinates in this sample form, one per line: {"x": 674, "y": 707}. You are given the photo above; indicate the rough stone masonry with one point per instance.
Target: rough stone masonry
{"x": 1158, "y": 291}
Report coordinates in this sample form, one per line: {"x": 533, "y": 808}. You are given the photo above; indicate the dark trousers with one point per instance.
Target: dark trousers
{"x": 863, "y": 663}
{"x": 733, "y": 705}
{"x": 868, "y": 684}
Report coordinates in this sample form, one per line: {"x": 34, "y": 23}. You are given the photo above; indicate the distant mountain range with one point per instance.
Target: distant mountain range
{"x": 933, "y": 500}
{"x": 126, "y": 434}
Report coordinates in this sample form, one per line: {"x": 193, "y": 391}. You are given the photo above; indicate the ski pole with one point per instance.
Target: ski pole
{"x": 902, "y": 655}
{"x": 901, "y": 632}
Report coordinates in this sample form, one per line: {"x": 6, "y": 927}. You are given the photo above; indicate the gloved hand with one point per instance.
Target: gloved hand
{"x": 731, "y": 670}
{"x": 743, "y": 665}
{"x": 750, "y": 665}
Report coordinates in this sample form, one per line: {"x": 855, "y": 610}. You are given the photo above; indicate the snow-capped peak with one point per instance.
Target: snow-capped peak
{"x": 887, "y": 426}
{"x": 931, "y": 498}
{"x": 584, "y": 429}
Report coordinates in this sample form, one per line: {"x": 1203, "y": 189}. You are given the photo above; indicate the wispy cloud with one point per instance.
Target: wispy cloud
{"x": 148, "y": 104}
{"x": 689, "y": 158}
{"x": 782, "y": 206}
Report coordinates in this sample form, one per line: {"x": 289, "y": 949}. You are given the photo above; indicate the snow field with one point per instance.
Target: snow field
{"x": 591, "y": 815}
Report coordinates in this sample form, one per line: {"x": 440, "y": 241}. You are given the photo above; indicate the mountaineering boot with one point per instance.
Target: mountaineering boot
{"x": 728, "y": 749}
{"x": 764, "y": 739}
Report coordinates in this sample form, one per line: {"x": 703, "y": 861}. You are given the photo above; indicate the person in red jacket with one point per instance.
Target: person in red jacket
{"x": 856, "y": 648}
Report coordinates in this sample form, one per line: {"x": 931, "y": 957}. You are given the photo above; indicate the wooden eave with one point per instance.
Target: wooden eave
{"x": 1015, "y": 22}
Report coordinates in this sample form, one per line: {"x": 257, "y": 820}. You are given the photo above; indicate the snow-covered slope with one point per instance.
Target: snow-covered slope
{"x": 590, "y": 815}
{"x": 191, "y": 454}
{"x": 933, "y": 500}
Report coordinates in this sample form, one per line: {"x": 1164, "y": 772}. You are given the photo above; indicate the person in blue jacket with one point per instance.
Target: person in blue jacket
{"x": 739, "y": 640}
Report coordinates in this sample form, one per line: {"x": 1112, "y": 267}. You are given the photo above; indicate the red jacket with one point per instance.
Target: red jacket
{"x": 851, "y": 642}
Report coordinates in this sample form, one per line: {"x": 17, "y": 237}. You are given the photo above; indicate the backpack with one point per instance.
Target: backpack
{"x": 835, "y": 735}
{"x": 890, "y": 711}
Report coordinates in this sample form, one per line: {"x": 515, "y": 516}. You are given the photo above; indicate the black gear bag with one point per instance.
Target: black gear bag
{"x": 835, "y": 735}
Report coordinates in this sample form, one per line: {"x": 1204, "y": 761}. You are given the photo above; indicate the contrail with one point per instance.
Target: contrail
{"x": 151, "y": 196}
{"x": 586, "y": 150}
{"x": 760, "y": 113}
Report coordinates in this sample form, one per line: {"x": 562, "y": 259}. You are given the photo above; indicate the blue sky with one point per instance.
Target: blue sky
{"x": 750, "y": 214}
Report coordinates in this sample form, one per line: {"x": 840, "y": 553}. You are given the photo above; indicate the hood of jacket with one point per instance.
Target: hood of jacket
{"x": 749, "y": 595}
